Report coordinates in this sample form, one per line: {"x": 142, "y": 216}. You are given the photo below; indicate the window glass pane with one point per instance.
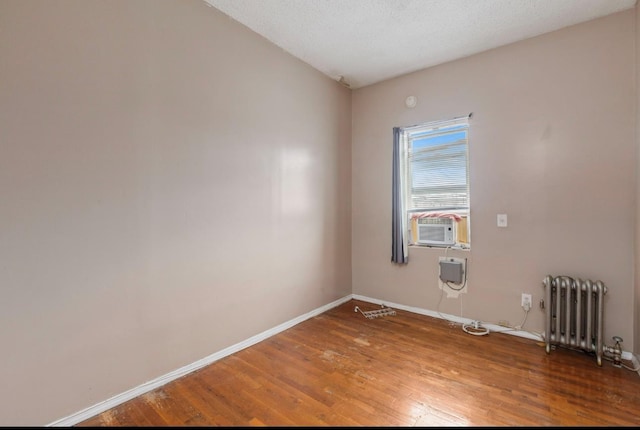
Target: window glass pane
{"x": 438, "y": 168}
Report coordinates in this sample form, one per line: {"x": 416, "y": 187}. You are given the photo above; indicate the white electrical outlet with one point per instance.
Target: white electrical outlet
{"x": 526, "y": 301}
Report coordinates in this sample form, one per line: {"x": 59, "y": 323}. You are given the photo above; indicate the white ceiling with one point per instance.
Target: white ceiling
{"x": 367, "y": 41}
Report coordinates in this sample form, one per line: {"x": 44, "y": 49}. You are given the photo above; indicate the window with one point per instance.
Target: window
{"x": 436, "y": 183}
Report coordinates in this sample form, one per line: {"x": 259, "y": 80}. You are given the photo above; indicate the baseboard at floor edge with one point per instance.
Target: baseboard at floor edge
{"x": 118, "y": 399}
{"x": 492, "y": 327}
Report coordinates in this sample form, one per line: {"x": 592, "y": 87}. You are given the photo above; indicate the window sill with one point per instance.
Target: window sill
{"x": 455, "y": 247}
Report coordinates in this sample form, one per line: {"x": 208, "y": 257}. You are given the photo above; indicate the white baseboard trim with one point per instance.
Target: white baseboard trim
{"x": 118, "y": 399}
{"x": 492, "y": 327}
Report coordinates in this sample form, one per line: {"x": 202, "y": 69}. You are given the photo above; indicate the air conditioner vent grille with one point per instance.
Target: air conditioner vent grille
{"x": 436, "y": 231}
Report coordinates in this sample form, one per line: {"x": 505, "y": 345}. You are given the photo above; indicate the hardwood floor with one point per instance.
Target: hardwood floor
{"x": 342, "y": 369}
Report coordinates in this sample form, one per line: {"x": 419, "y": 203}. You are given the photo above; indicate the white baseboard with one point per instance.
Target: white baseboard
{"x": 492, "y": 327}
{"x": 116, "y": 400}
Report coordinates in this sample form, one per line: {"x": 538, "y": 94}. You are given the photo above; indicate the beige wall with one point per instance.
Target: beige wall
{"x": 551, "y": 145}
{"x": 158, "y": 161}
{"x": 171, "y": 184}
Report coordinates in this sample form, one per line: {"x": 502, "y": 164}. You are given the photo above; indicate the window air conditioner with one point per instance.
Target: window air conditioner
{"x": 436, "y": 231}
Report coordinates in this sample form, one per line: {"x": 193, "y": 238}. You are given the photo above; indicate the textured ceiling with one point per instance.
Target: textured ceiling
{"x": 367, "y": 41}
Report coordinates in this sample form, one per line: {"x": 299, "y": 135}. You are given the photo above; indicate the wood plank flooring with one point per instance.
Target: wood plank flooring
{"x": 342, "y": 369}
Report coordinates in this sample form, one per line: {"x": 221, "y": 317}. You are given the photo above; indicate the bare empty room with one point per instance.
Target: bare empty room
{"x": 319, "y": 212}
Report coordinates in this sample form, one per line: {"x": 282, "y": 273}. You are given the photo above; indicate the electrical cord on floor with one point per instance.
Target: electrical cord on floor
{"x": 475, "y": 328}
{"x": 520, "y": 327}
{"x": 622, "y": 364}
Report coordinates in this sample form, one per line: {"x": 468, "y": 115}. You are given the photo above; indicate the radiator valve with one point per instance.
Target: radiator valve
{"x": 616, "y": 351}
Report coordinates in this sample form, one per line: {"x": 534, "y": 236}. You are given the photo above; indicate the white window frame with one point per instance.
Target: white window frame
{"x": 443, "y": 160}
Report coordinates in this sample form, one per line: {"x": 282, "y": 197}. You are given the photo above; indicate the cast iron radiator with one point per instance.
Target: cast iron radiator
{"x": 574, "y": 311}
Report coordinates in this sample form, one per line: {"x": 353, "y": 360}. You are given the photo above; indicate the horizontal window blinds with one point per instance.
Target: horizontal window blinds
{"x": 438, "y": 167}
